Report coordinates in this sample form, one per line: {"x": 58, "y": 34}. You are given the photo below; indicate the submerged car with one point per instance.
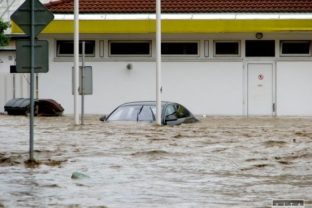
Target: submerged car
{"x": 145, "y": 111}
{"x": 43, "y": 107}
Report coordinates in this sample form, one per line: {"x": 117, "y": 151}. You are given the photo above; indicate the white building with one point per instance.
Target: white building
{"x": 218, "y": 59}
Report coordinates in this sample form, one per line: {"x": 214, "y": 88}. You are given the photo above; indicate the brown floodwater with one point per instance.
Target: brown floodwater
{"x": 218, "y": 162}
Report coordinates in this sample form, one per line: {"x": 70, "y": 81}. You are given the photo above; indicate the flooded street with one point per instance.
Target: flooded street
{"x": 218, "y": 162}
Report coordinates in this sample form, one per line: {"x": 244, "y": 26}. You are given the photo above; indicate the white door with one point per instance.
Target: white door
{"x": 260, "y": 89}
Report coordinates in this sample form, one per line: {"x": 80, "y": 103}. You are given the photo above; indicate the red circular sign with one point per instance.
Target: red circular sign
{"x": 260, "y": 76}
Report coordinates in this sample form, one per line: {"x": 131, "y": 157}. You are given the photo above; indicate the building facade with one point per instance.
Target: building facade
{"x": 217, "y": 58}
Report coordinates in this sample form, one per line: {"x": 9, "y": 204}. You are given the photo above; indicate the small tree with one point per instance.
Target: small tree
{"x": 4, "y": 40}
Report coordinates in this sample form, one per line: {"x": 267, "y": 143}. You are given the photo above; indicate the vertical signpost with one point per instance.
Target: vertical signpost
{"x": 82, "y": 82}
{"x": 32, "y": 17}
{"x": 32, "y": 71}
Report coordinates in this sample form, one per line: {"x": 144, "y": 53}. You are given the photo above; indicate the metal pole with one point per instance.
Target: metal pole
{"x": 158, "y": 62}
{"x": 32, "y": 66}
{"x": 14, "y": 86}
{"x": 14, "y": 81}
{"x": 76, "y": 60}
{"x": 82, "y": 80}
{"x": 37, "y": 86}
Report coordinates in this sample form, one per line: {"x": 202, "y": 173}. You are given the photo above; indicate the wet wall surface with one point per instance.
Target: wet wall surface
{"x": 218, "y": 162}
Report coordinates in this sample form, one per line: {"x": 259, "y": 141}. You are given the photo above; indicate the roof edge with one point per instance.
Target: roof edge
{"x": 193, "y": 16}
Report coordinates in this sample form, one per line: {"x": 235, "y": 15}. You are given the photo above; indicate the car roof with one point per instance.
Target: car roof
{"x": 146, "y": 103}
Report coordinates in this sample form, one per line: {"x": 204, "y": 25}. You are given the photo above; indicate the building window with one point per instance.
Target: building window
{"x": 260, "y": 48}
{"x": 227, "y": 48}
{"x": 295, "y": 48}
{"x": 66, "y": 47}
{"x": 130, "y": 48}
{"x": 179, "y": 48}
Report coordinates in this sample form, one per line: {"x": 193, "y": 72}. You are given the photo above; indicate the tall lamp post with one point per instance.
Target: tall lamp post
{"x": 158, "y": 62}
{"x": 76, "y": 60}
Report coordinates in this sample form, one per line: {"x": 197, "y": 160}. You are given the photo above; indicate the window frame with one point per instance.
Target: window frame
{"x": 57, "y": 50}
{"x": 182, "y": 55}
{"x": 295, "y": 54}
{"x": 227, "y": 55}
{"x": 129, "y": 55}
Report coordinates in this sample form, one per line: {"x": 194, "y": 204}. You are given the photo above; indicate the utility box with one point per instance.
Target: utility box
{"x": 85, "y": 80}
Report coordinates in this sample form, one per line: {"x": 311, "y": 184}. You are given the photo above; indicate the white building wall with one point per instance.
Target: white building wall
{"x": 294, "y": 88}
{"x": 209, "y": 88}
{"x": 113, "y": 84}
{"x": 6, "y": 79}
{"x": 213, "y": 88}
{"x": 4, "y": 90}
{"x": 11, "y": 85}
{"x": 205, "y": 84}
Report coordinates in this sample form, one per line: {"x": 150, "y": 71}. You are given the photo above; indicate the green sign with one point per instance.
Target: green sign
{"x": 22, "y": 17}
{"x": 23, "y": 52}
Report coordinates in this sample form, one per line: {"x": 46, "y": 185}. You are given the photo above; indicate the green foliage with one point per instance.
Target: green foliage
{"x": 4, "y": 40}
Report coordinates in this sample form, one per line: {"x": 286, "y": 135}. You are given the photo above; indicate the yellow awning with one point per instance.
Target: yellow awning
{"x": 174, "y": 26}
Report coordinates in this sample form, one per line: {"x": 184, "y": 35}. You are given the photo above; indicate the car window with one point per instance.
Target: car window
{"x": 153, "y": 108}
{"x": 146, "y": 114}
{"x": 170, "y": 110}
{"x": 125, "y": 113}
{"x": 182, "y": 112}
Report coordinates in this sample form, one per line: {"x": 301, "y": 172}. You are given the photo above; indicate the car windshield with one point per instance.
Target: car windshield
{"x": 133, "y": 113}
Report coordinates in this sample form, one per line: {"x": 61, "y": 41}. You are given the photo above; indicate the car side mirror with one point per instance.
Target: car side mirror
{"x": 103, "y": 118}
{"x": 171, "y": 117}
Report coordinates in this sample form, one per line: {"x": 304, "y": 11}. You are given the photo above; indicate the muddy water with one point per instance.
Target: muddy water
{"x": 219, "y": 162}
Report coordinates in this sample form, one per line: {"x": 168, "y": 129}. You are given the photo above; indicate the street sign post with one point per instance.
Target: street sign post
{"x": 32, "y": 17}
{"x": 23, "y": 56}
{"x": 22, "y": 17}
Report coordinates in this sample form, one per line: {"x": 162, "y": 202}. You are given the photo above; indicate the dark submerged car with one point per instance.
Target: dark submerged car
{"x": 43, "y": 107}
{"x": 145, "y": 111}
